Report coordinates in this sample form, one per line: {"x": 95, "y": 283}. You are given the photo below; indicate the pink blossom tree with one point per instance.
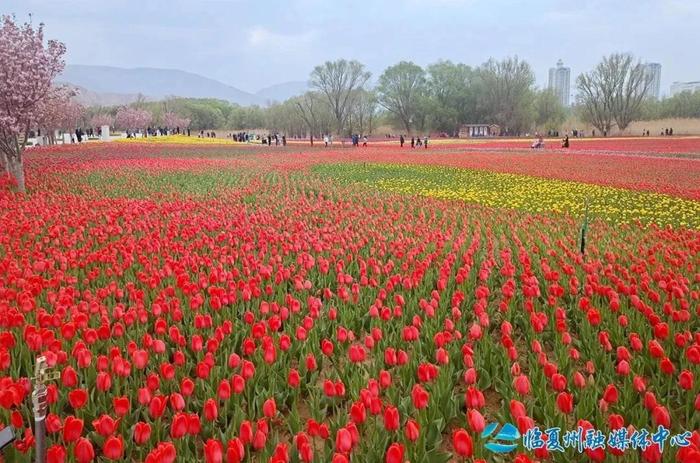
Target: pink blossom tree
{"x": 27, "y": 69}
{"x": 133, "y": 118}
{"x": 98, "y": 120}
{"x": 173, "y": 120}
{"x": 59, "y": 112}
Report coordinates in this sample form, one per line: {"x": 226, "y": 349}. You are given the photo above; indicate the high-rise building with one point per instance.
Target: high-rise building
{"x": 678, "y": 87}
{"x": 559, "y": 81}
{"x": 654, "y": 70}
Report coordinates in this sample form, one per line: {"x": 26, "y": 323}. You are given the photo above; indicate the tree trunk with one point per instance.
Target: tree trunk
{"x": 16, "y": 170}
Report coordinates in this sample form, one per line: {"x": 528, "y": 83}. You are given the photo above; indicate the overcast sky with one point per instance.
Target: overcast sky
{"x": 255, "y": 43}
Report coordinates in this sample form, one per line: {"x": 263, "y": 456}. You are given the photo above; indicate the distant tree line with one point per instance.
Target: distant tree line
{"x": 438, "y": 98}
{"x": 682, "y": 105}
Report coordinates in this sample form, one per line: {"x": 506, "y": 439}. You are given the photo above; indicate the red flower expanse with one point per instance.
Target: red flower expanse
{"x": 677, "y": 176}
{"x": 219, "y": 304}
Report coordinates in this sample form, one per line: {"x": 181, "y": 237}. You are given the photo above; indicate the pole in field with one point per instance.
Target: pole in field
{"x": 41, "y": 377}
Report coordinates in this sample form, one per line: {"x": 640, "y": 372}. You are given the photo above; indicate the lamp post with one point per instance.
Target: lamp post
{"x": 41, "y": 376}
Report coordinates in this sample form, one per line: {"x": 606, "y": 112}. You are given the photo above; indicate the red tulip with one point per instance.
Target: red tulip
{"x": 476, "y": 421}
{"x": 235, "y": 451}
{"x": 293, "y": 378}
{"x": 343, "y": 441}
{"x": 517, "y": 409}
{"x": 522, "y": 385}
{"x": 211, "y": 411}
{"x": 178, "y": 426}
{"x": 55, "y": 454}
{"x": 72, "y": 429}
{"x": 213, "y": 451}
{"x": 270, "y": 408}
{"x": 565, "y": 402}
{"x": 558, "y": 382}
{"x": 610, "y": 394}
{"x": 391, "y": 418}
{"x": 420, "y": 397}
{"x": 194, "y": 424}
{"x": 395, "y": 453}
{"x": 77, "y": 398}
{"x": 224, "y": 390}
{"x": 83, "y": 451}
{"x": 685, "y": 380}
{"x": 105, "y": 425}
{"x": 121, "y": 405}
{"x": 142, "y": 433}
{"x": 69, "y": 378}
{"x": 661, "y": 416}
{"x": 259, "y": 440}
{"x": 412, "y": 430}
{"x": 113, "y": 448}
{"x": 462, "y": 443}
{"x": 667, "y": 366}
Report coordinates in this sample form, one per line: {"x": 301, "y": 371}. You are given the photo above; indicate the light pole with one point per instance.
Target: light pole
{"x": 41, "y": 376}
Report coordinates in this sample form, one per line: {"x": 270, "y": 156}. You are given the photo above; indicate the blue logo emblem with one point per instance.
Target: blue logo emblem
{"x": 504, "y": 441}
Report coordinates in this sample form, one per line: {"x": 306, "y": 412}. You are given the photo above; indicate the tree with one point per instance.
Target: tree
{"x": 59, "y": 112}
{"x": 172, "y": 120}
{"x": 338, "y": 80}
{"x": 308, "y": 107}
{"x": 27, "y": 70}
{"x": 363, "y": 111}
{"x": 129, "y": 118}
{"x": 400, "y": 90}
{"x": 550, "y": 114}
{"x": 508, "y": 94}
{"x": 613, "y": 91}
{"x": 100, "y": 119}
{"x": 454, "y": 89}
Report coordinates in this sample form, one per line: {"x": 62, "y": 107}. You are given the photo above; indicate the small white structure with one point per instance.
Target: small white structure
{"x": 479, "y": 130}
{"x": 104, "y": 130}
{"x": 67, "y": 138}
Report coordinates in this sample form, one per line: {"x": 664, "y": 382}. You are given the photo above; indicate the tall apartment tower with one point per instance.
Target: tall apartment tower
{"x": 654, "y": 70}
{"x": 560, "y": 82}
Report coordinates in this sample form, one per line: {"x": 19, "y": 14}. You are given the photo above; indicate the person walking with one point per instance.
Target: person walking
{"x": 364, "y": 141}
{"x": 401, "y": 141}
{"x": 413, "y": 142}
{"x": 325, "y": 140}
{"x": 425, "y": 142}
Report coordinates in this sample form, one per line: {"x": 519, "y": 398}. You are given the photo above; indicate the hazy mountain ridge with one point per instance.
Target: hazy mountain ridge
{"x": 105, "y": 85}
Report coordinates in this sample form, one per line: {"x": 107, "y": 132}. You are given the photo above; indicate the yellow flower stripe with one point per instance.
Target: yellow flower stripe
{"x": 522, "y": 192}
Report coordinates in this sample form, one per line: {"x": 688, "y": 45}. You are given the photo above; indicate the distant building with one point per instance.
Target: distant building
{"x": 479, "y": 130}
{"x": 560, "y": 82}
{"x": 654, "y": 70}
{"x": 679, "y": 87}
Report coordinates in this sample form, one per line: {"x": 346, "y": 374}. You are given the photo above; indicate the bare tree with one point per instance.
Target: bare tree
{"x": 613, "y": 91}
{"x": 307, "y": 107}
{"x": 363, "y": 111}
{"x": 338, "y": 80}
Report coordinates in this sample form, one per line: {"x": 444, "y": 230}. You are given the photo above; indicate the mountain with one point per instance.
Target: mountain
{"x": 89, "y": 98}
{"x": 155, "y": 83}
{"x": 281, "y": 92}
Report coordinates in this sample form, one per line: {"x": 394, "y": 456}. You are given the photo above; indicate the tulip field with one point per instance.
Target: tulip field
{"x": 226, "y": 303}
